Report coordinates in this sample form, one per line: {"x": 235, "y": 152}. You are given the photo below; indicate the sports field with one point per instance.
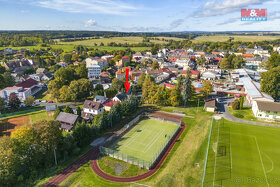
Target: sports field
{"x": 146, "y": 140}
{"x": 243, "y": 155}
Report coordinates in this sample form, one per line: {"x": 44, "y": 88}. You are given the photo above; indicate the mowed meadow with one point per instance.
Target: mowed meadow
{"x": 242, "y": 38}
{"x": 122, "y": 40}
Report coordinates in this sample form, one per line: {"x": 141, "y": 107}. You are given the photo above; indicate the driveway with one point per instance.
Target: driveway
{"x": 223, "y": 106}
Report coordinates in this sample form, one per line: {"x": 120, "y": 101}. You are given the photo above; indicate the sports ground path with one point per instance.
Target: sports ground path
{"x": 92, "y": 155}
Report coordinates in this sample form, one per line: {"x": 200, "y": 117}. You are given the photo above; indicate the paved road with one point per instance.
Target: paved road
{"x": 227, "y": 115}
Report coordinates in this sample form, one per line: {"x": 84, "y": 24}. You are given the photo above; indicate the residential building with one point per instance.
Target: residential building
{"x": 210, "y": 75}
{"x": 93, "y": 71}
{"x": 99, "y": 98}
{"x": 104, "y": 76}
{"x": 108, "y": 104}
{"x": 211, "y": 105}
{"x": 266, "y": 110}
{"x": 23, "y": 90}
{"x": 68, "y": 121}
{"x": 121, "y": 62}
{"x": 120, "y": 97}
{"x": 96, "y": 61}
{"x": 91, "y": 109}
{"x": 19, "y": 65}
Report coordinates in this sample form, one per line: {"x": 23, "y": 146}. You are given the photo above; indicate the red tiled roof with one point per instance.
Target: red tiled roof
{"x": 217, "y": 58}
{"x": 124, "y": 57}
{"x": 109, "y": 103}
{"x": 195, "y": 72}
{"x": 27, "y": 83}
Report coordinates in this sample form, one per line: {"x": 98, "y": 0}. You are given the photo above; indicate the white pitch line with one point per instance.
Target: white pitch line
{"x": 261, "y": 161}
{"x": 272, "y": 163}
{"x": 216, "y": 155}
{"x": 152, "y": 142}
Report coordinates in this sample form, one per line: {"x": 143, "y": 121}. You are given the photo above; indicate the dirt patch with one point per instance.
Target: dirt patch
{"x": 10, "y": 125}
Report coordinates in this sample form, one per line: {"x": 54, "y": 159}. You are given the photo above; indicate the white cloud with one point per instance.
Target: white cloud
{"x": 90, "y": 23}
{"x": 215, "y": 8}
{"x": 176, "y": 23}
{"x": 88, "y": 6}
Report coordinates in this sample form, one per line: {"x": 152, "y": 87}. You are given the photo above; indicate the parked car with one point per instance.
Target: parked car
{"x": 37, "y": 101}
{"x": 44, "y": 101}
{"x": 50, "y": 101}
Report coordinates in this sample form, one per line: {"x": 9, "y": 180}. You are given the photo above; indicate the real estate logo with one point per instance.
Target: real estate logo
{"x": 253, "y": 15}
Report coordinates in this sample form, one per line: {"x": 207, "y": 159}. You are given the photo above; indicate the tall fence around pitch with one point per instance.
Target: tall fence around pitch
{"x": 137, "y": 161}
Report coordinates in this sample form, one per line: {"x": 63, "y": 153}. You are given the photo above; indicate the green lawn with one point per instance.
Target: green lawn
{"x": 120, "y": 168}
{"x": 41, "y": 116}
{"x": 70, "y": 47}
{"x": 144, "y": 142}
{"x": 122, "y": 40}
{"x": 243, "y": 155}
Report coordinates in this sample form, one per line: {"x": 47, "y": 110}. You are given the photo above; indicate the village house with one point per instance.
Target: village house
{"x": 210, "y": 75}
{"x": 101, "y": 99}
{"x": 108, "y": 104}
{"x": 104, "y": 76}
{"x": 135, "y": 74}
{"x": 68, "y": 121}
{"x": 266, "y": 110}
{"x": 96, "y": 61}
{"x": 120, "y": 97}
{"x": 91, "y": 109}
{"x": 121, "y": 62}
{"x": 19, "y": 65}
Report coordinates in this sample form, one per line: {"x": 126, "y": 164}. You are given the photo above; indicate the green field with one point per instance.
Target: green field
{"x": 243, "y": 155}
{"x": 146, "y": 140}
{"x": 70, "y": 47}
{"x": 41, "y": 116}
{"x": 122, "y": 40}
{"x": 242, "y": 38}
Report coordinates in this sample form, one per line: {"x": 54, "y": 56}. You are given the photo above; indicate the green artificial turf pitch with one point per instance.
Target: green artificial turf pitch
{"x": 146, "y": 140}
{"x": 243, "y": 155}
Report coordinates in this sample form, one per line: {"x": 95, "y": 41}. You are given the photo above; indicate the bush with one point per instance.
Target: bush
{"x": 236, "y": 105}
{"x": 238, "y": 115}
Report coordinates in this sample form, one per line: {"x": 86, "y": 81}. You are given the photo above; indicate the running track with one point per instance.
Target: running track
{"x": 98, "y": 171}
{"x": 92, "y": 156}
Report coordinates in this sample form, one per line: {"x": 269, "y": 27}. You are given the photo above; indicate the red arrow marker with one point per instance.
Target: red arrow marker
{"x": 127, "y": 84}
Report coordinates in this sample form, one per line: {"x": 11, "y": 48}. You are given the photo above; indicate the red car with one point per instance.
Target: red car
{"x": 50, "y": 101}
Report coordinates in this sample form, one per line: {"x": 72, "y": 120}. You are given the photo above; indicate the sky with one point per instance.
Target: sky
{"x": 136, "y": 15}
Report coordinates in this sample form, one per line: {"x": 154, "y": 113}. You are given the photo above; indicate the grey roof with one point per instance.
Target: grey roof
{"x": 268, "y": 106}
{"x": 121, "y": 96}
{"x": 67, "y": 118}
